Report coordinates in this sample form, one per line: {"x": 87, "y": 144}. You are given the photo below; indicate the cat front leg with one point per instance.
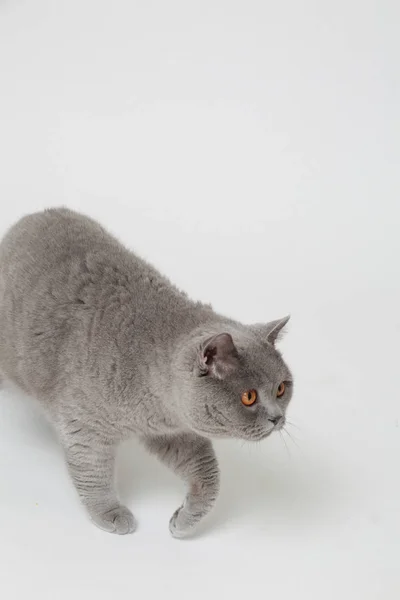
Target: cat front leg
{"x": 90, "y": 461}
{"x": 193, "y": 459}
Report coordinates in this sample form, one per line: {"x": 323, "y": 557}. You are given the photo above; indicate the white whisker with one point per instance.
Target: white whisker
{"x": 291, "y": 438}
{"x": 292, "y": 424}
{"x": 286, "y": 446}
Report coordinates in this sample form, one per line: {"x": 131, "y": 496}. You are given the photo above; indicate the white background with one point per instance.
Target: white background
{"x": 250, "y": 150}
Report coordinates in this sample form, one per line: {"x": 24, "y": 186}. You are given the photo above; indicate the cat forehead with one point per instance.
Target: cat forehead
{"x": 261, "y": 360}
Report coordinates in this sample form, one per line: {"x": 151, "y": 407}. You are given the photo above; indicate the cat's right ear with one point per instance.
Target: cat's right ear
{"x": 218, "y": 356}
{"x": 270, "y": 332}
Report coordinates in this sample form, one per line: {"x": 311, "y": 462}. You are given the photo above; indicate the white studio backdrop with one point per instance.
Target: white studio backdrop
{"x": 250, "y": 150}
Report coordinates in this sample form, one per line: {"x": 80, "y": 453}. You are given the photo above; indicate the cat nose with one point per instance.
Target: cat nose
{"x": 275, "y": 420}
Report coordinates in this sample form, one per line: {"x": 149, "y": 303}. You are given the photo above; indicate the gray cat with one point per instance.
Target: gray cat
{"x": 111, "y": 349}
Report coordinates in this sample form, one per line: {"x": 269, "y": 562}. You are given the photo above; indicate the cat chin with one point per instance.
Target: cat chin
{"x": 228, "y": 435}
{"x": 260, "y": 437}
{"x": 257, "y": 437}
{"x": 217, "y": 435}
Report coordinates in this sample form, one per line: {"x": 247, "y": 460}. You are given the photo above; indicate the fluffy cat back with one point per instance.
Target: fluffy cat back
{"x": 75, "y": 304}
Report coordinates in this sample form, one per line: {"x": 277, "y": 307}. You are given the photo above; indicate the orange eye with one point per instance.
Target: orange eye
{"x": 281, "y": 390}
{"x": 249, "y": 397}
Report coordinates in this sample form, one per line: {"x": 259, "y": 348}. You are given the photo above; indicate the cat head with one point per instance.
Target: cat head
{"x": 234, "y": 383}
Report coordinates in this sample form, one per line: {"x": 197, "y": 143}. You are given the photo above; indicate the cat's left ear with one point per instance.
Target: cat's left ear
{"x": 219, "y": 357}
{"x": 271, "y": 332}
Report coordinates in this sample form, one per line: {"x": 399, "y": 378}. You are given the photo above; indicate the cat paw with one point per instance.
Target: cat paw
{"x": 181, "y": 524}
{"x": 118, "y": 520}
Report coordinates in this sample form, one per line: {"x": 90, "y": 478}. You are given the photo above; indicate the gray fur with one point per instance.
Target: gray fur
{"x": 112, "y": 349}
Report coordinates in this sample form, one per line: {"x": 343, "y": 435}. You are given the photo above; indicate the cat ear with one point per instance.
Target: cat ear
{"x": 219, "y": 357}
{"x": 271, "y": 332}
